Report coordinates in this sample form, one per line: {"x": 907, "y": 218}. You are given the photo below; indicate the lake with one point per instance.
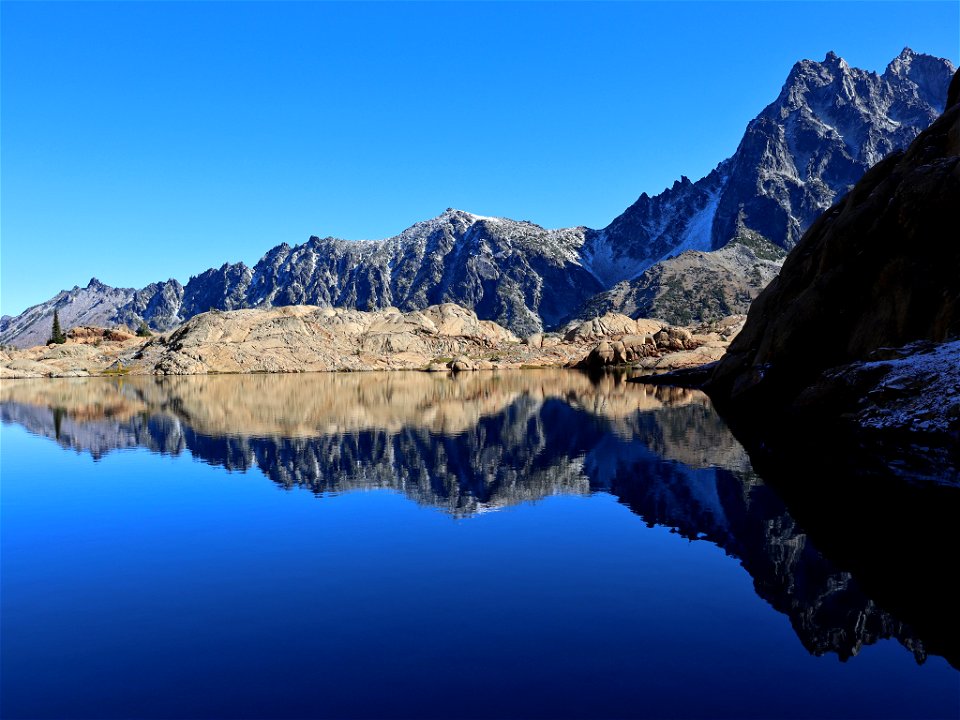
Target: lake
{"x": 517, "y": 544}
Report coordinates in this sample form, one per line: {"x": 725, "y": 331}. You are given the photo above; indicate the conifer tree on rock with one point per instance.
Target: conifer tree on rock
{"x": 56, "y": 335}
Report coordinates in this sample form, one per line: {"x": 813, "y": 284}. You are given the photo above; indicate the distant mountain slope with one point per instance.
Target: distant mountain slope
{"x": 828, "y": 125}
{"x": 95, "y": 304}
{"x": 515, "y": 273}
{"x": 695, "y": 286}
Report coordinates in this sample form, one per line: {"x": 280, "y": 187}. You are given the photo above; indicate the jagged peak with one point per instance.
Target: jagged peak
{"x": 835, "y": 62}
{"x": 472, "y": 217}
{"x": 448, "y": 216}
{"x": 900, "y": 65}
{"x": 909, "y": 65}
{"x": 904, "y": 64}
{"x": 804, "y": 68}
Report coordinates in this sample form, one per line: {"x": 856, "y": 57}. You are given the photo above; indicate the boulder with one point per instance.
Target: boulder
{"x": 610, "y": 325}
{"x": 646, "y": 326}
{"x": 461, "y": 364}
{"x": 601, "y": 356}
{"x": 534, "y": 341}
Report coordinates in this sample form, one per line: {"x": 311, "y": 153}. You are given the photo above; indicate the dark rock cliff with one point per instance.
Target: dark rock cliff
{"x": 880, "y": 269}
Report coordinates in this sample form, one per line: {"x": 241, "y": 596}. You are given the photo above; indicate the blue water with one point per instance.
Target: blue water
{"x": 147, "y": 580}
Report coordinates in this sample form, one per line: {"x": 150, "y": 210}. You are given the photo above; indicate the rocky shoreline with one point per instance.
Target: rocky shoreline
{"x": 304, "y": 338}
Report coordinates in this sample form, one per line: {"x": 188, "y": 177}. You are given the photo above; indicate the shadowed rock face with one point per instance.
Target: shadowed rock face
{"x": 828, "y": 125}
{"x": 476, "y": 443}
{"x": 878, "y": 270}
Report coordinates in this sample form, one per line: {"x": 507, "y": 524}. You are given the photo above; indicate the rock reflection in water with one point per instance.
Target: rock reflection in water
{"x": 476, "y": 442}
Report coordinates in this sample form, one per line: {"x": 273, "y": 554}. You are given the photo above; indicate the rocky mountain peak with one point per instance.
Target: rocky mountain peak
{"x": 833, "y": 76}
{"x": 902, "y": 63}
{"x": 919, "y": 77}
{"x": 464, "y": 216}
{"x": 832, "y": 60}
{"x": 806, "y": 71}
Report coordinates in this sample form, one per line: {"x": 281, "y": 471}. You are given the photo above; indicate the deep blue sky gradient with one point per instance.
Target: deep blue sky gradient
{"x": 142, "y": 141}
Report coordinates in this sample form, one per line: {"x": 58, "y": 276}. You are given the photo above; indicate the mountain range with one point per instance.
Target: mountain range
{"x": 696, "y": 251}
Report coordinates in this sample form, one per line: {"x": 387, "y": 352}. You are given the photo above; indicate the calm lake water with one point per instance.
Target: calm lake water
{"x": 525, "y": 544}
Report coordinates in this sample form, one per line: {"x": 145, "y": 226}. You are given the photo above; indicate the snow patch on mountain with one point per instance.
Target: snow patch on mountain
{"x": 698, "y": 233}
{"x": 600, "y": 260}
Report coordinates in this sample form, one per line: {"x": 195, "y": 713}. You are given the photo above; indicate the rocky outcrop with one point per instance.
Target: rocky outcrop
{"x": 304, "y": 338}
{"x": 309, "y": 339}
{"x": 92, "y": 335}
{"x": 653, "y": 345}
{"x": 611, "y": 324}
{"x": 905, "y": 403}
{"x": 913, "y": 389}
{"x": 829, "y": 124}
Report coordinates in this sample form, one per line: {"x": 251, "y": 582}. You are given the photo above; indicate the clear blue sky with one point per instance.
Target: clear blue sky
{"x": 142, "y": 141}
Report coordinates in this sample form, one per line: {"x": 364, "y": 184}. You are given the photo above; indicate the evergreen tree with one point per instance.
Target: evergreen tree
{"x": 143, "y": 330}
{"x": 57, "y": 336}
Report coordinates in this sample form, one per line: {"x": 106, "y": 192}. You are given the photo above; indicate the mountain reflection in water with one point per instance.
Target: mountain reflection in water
{"x": 481, "y": 441}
